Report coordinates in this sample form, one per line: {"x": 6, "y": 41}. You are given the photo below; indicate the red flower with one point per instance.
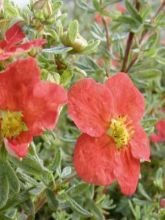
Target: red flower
{"x": 28, "y": 105}
{"x": 113, "y": 141}
{"x": 120, "y": 8}
{"x": 12, "y": 43}
{"x": 98, "y": 19}
{"x": 160, "y": 136}
{"x": 162, "y": 203}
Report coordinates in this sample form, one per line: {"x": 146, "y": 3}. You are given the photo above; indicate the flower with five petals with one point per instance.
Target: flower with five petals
{"x": 113, "y": 141}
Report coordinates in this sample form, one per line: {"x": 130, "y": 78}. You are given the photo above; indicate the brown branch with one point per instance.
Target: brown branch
{"x": 127, "y": 51}
{"x": 159, "y": 9}
{"x": 108, "y": 43}
{"x": 107, "y": 33}
{"x": 129, "y": 43}
{"x": 131, "y": 63}
{"x": 145, "y": 32}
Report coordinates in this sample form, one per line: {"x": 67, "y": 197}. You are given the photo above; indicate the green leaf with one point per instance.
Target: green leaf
{"x": 12, "y": 178}
{"x": 97, "y": 5}
{"x": 19, "y": 199}
{"x": 129, "y": 21}
{"x": 92, "y": 47}
{"x": 143, "y": 192}
{"x": 158, "y": 181}
{"x": 153, "y": 40}
{"x": 95, "y": 210}
{"x": 52, "y": 201}
{"x": 78, "y": 208}
{"x": 56, "y": 163}
{"x": 149, "y": 74}
{"x": 3, "y": 153}
{"x": 160, "y": 56}
{"x": 66, "y": 172}
{"x": 4, "y": 186}
{"x": 30, "y": 165}
{"x": 73, "y": 30}
{"x": 78, "y": 189}
{"x": 57, "y": 50}
{"x": 133, "y": 11}
{"x": 56, "y": 5}
{"x": 66, "y": 77}
{"x": 3, "y": 217}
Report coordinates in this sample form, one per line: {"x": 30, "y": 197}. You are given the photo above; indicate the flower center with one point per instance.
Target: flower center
{"x": 121, "y": 131}
{"x": 12, "y": 124}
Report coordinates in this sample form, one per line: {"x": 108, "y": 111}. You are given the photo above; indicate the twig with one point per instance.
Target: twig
{"x": 107, "y": 34}
{"x": 131, "y": 63}
{"x": 161, "y": 7}
{"x": 129, "y": 43}
{"x": 127, "y": 51}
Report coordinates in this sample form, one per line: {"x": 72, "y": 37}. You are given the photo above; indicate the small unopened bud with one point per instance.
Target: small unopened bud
{"x": 48, "y": 9}
{"x": 38, "y": 5}
{"x": 78, "y": 45}
{"x": 162, "y": 203}
{"x": 45, "y": 6}
{"x": 65, "y": 40}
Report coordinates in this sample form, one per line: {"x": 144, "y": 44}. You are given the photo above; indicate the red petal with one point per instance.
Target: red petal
{"x": 94, "y": 159}
{"x": 120, "y": 8}
{"x": 129, "y": 101}
{"x": 127, "y": 170}
{"x": 11, "y": 50}
{"x": 19, "y": 147}
{"x": 140, "y": 146}
{"x": 19, "y": 78}
{"x": 41, "y": 110}
{"x": 5, "y": 55}
{"x": 14, "y": 34}
{"x": 160, "y": 126}
{"x": 31, "y": 44}
{"x": 3, "y": 44}
{"x": 160, "y": 136}
{"x": 155, "y": 138}
{"x": 90, "y": 106}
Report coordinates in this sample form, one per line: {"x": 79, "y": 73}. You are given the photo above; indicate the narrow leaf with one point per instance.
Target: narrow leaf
{"x": 73, "y": 30}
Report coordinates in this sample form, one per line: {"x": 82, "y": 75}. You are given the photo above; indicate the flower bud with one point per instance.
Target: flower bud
{"x": 45, "y": 6}
{"x": 162, "y": 203}
{"x": 78, "y": 45}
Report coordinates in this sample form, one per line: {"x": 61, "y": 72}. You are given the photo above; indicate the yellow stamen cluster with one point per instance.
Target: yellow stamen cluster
{"x": 120, "y": 131}
{"x": 12, "y": 124}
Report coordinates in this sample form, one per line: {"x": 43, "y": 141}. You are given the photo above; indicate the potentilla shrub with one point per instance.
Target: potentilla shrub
{"x": 82, "y": 120}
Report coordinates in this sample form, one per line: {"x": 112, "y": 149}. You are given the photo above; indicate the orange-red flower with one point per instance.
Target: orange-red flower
{"x": 28, "y": 105}
{"x": 120, "y": 8}
{"x": 113, "y": 141}
{"x": 98, "y": 19}
{"x": 160, "y": 136}
{"x": 13, "y": 42}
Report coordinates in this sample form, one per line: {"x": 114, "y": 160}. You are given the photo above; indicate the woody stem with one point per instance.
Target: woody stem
{"x": 129, "y": 43}
{"x": 161, "y": 7}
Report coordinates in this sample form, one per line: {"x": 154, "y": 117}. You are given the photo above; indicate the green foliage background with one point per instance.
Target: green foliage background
{"x": 44, "y": 185}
